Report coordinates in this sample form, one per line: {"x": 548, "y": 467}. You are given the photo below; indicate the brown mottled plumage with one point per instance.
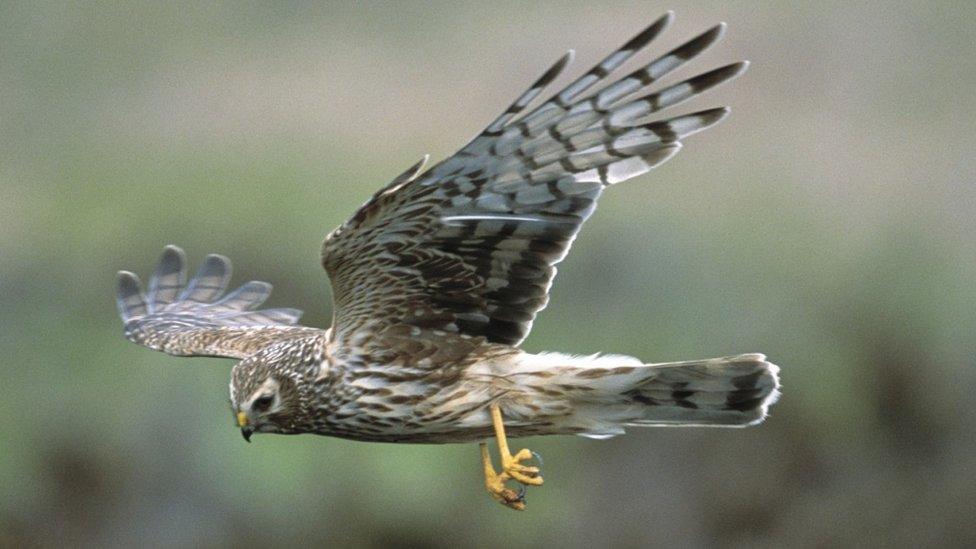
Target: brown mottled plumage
{"x": 438, "y": 278}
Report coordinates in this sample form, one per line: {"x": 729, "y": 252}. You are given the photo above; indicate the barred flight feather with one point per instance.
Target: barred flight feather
{"x": 192, "y": 318}
{"x": 505, "y": 209}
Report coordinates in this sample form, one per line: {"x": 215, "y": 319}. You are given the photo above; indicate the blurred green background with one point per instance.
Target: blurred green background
{"x": 828, "y": 223}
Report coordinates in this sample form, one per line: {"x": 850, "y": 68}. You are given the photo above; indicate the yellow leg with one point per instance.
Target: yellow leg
{"x": 512, "y": 467}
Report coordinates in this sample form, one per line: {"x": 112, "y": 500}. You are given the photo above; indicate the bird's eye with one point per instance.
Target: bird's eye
{"x": 262, "y": 403}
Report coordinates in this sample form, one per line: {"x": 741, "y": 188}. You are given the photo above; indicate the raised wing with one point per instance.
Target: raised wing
{"x": 195, "y": 318}
{"x": 470, "y": 246}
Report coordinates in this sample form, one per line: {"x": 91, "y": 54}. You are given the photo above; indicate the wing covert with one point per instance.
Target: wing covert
{"x": 470, "y": 246}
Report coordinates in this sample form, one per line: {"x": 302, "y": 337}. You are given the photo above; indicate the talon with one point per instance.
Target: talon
{"x": 512, "y": 468}
{"x": 538, "y": 458}
{"x": 526, "y": 474}
{"x": 495, "y": 484}
{"x": 526, "y": 479}
{"x": 513, "y": 500}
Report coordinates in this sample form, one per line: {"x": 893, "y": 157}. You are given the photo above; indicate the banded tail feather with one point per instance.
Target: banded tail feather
{"x": 734, "y": 391}
{"x": 608, "y": 393}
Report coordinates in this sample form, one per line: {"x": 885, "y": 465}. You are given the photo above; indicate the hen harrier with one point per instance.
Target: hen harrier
{"x": 437, "y": 279}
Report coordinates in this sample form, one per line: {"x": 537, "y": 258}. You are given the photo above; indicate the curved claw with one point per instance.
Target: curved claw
{"x": 538, "y": 458}
{"x": 526, "y": 474}
{"x": 518, "y": 501}
{"x": 525, "y": 478}
{"x": 510, "y": 498}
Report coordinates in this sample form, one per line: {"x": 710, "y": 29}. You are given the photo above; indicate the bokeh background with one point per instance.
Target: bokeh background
{"x": 828, "y": 223}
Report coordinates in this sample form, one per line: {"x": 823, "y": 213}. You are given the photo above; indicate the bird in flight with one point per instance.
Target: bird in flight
{"x": 438, "y": 277}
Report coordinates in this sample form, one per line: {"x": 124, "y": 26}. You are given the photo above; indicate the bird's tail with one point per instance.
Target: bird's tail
{"x": 608, "y": 393}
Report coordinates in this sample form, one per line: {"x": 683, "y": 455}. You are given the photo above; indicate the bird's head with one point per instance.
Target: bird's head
{"x": 265, "y": 399}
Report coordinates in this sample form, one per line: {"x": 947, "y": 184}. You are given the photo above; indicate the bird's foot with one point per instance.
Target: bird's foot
{"x": 512, "y": 469}
{"x": 495, "y": 484}
{"x": 526, "y": 474}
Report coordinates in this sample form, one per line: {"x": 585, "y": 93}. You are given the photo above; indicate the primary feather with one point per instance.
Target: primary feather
{"x": 192, "y": 319}
{"x": 470, "y": 246}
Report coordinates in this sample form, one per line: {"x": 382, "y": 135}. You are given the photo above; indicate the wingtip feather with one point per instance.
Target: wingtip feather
{"x": 173, "y": 248}
{"x": 130, "y": 299}
{"x": 168, "y": 279}
{"x": 210, "y": 281}
{"x": 700, "y": 43}
{"x": 650, "y": 32}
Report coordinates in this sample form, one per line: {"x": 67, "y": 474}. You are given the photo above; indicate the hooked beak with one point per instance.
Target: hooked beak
{"x": 242, "y": 422}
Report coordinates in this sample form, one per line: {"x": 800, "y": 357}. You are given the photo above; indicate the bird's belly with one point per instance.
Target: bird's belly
{"x": 410, "y": 412}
